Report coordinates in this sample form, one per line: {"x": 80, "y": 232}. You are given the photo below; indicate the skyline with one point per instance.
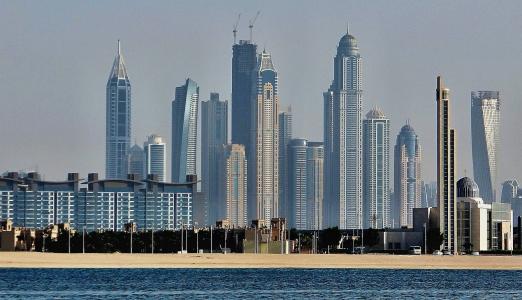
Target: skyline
{"x": 84, "y": 130}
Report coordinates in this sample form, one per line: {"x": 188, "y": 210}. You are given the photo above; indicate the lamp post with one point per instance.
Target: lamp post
{"x": 425, "y": 239}
{"x": 225, "y": 241}
{"x": 152, "y": 241}
{"x": 131, "y": 229}
{"x": 83, "y": 240}
{"x": 211, "y": 244}
{"x": 69, "y": 238}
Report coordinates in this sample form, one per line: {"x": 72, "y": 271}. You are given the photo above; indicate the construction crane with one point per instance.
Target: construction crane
{"x": 251, "y": 25}
{"x": 235, "y": 27}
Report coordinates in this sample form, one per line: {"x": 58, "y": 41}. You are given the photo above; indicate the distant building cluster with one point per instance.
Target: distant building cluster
{"x": 264, "y": 173}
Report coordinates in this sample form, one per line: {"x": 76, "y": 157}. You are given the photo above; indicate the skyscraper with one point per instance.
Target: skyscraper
{"x": 376, "y": 160}
{"x": 285, "y": 135}
{"x": 446, "y": 169}
{"x": 184, "y": 130}
{"x": 156, "y": 157}
{"x": 117, "y": 120}
{"x": 267, "y": 140}
{"x": 244, "y": 76}
{"x": 137, "y": 162}
{"x": 305, "y": 184}
{"x": 485, "y": 115}
{"x": 407, "y": 179}
{"x": 343, "y": 139}
{"x": 315, "y": 181}
{"x": 235, "y": 184}
{"x": 214, "y": 134}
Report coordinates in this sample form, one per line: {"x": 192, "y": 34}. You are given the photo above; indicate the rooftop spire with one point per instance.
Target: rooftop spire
{"x": 347, "y": 28}
{"x": 118, "y": 67}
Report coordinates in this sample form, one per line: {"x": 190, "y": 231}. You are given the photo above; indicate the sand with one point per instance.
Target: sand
{"x": 92, "y": 260}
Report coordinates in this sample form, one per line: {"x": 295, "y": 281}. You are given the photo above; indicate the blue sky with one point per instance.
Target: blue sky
{"x": 55, "y": 57}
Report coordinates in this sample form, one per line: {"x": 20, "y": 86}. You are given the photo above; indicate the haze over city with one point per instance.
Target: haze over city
{"x": 55, "y": 59}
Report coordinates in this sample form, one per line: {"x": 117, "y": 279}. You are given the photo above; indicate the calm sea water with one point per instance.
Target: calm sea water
{"x": 257, "y": 284}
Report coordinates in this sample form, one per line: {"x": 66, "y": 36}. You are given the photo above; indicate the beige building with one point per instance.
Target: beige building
{"x": 16, "y": 238}
{"x": 235, "y": 184}
{"x": 267, "y": 140}
{"x": 481, "y": 226}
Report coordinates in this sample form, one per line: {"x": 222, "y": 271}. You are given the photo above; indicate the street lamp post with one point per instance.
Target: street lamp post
{"x": 211, "y": 240}
{"x": 425, "y": 239}
{"x": 69, "y": 238}
{"x": 152, "y": 241}
{"x": 83, "y": 240}
{"x": 131, "y": 229}
{"x": 225, "y": 241}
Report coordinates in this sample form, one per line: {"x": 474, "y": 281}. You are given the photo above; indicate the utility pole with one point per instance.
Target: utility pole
{"x": 152, "y": 242}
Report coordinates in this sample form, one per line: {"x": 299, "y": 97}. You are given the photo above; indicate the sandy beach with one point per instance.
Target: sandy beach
{"x": 92, "y": 260}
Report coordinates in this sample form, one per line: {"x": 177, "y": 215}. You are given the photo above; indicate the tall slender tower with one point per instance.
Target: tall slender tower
{"x": 118, "y": 120}
{"x": 234, "y": 186}
{"x": 267, "y": 140}
{"x": 343, "y": 139}
{"x": 285, "y": 135}
{"x": 184, "y": 130}
{"x": 214, "y": 134}
{"x": 446, "y": 169}
{"x": 156, "y": 157}
{"x": 376, "y": 160}
{"x": 407, "y": 179}
{"x": 244, "y": 62}
{"x": 485, "y": 120}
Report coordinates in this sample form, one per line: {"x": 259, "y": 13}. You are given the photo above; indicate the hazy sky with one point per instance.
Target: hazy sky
{"x": 55, "y": 58}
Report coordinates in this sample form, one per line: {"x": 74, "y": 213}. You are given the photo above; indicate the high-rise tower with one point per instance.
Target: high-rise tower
{"x": 267, "y": 140}
{"x": 117, "y": 120}
{"x": 407, "y": 179}
{"x": 485, "y": 120}
{"x": 343, "y": 139}
{"x": 137, "y": 162}
{"x": 214, "y": 134}
{"x": 376, "y": 160}
{"x": 184, "y": 130}
{"x": 244, "y": 62}
{"x": 446, "y": 169}
{"x": 156, "y": 157}
{"x": 234, "y": 188}
{"x": 285, "y": 135}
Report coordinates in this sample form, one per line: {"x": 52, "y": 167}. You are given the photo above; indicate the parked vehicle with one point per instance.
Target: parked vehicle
{"x": 475, "y": 253}
{"x": 415, "y": 250}
{"x": 437, "y": 252}
{"x": 447, "y": 252}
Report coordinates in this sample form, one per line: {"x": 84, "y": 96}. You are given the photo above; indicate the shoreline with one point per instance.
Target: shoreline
{"x": 268, "y": 261}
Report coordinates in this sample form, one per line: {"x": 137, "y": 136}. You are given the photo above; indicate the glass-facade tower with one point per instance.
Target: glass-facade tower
{"x": 184, "y": 130}
{"x": 485, "y": 121}
{"x": 118, "y": 120}
{"x": 214, "y": 135}
{"x": 244, "y": 76}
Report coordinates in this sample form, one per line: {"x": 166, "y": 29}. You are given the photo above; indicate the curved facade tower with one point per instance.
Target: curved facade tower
{"x": 485, "y": 115}
{"x": 267, "y": 140}
{"x": 118, "y": 120}
{"x": 343, "y": 139}
{"x": 407, "y": 176}
{"x": 184, "y": 130}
